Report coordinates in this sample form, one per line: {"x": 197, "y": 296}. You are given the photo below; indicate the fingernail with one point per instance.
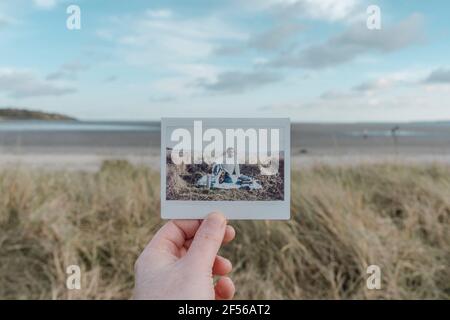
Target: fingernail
{"x": 227, "y": 261}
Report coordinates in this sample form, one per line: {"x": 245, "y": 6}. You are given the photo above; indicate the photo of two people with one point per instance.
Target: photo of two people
{"x": 239, "y": 165}
{"x": 224, "y": 181}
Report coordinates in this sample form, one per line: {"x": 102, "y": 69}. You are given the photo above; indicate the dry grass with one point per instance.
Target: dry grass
{"x": 181, "y": 185}
{"x": 181, "y": 179}
{"x": 343, "y": 219}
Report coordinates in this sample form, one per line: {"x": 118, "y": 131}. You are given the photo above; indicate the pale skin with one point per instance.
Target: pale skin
{"x": 180, "y": 261}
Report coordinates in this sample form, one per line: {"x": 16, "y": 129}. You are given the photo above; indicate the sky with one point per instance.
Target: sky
{"x": 310, "y": 60}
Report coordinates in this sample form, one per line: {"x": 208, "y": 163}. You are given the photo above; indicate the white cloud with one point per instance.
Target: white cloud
{"x": 6, "y": 21}
{"x": 334, "y": 95}
{"x": 418, "y": 103}
{"x": 68, "y": 71}
{"x": 328, "y": 10}
{"x": 3, "y": 21}
{"x": 273, "y": 39}
{"x": 379, "y": 85}
{"x": 239, "y": 82}
{"x": 323, "y": 9}
{"x": 175, "y": 47}
{"x": 19, "y": 83}
{"x": 356, "y": 41}
{"x": 182, "y": 83}
{"x": 392, "y": 80}
{"x": 394, "y": 96}
{"x": 148, "y": 39}
{"x": 45, "y": 4}
{"x": 440, "y": 75}
{"x": 161, "y": 13}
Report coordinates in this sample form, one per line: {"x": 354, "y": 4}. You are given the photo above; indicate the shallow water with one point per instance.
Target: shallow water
{"x": 23, "y": 126}
{"x": 130, "y": 138}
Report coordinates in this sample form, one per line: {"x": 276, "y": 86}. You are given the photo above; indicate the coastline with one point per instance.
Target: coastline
{"x": 93, "y": 162}
{"x": 59, "y": 145}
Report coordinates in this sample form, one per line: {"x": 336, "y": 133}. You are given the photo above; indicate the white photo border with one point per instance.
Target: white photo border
{"x": 233, "y": 210}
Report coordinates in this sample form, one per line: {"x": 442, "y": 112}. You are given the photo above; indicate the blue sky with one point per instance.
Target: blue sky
{"x": 311, "y": 60}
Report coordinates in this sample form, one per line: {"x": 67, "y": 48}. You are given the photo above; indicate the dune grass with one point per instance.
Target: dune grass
{"x": 343, "y": 220}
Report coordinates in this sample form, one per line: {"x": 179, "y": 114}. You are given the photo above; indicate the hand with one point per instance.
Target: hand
{"x": 181, "y": 259}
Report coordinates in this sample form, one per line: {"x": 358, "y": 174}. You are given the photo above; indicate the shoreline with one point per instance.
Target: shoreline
{"x": 84, "y": 146}
{"x": 93, "y": 162}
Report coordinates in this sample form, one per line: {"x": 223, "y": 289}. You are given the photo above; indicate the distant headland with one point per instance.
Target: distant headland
{"x": 24, "y": 114}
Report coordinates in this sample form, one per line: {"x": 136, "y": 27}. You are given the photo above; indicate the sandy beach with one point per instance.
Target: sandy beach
{"x": 85, "y": 145}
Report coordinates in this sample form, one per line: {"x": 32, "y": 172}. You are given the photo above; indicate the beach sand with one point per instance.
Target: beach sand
{"x": 335, "y": 144}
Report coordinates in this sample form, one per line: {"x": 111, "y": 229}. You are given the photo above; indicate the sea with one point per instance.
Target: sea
{"x": 307, "y": 138}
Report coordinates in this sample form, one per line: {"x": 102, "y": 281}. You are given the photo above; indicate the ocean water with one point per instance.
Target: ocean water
{"x": 355, "y": 130}
{"x": 77, "y": 126}
{"x": 388, "y": 133}
{"x": 93, "y": 137}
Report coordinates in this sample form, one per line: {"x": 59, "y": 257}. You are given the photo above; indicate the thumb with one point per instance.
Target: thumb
{"x": 207, "y": 241}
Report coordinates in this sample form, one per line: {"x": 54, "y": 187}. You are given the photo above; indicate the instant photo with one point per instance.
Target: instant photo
{"x": 237, "y": 166}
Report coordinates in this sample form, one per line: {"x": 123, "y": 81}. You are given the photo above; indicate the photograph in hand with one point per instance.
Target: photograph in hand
{"x": 225, "y": 160}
